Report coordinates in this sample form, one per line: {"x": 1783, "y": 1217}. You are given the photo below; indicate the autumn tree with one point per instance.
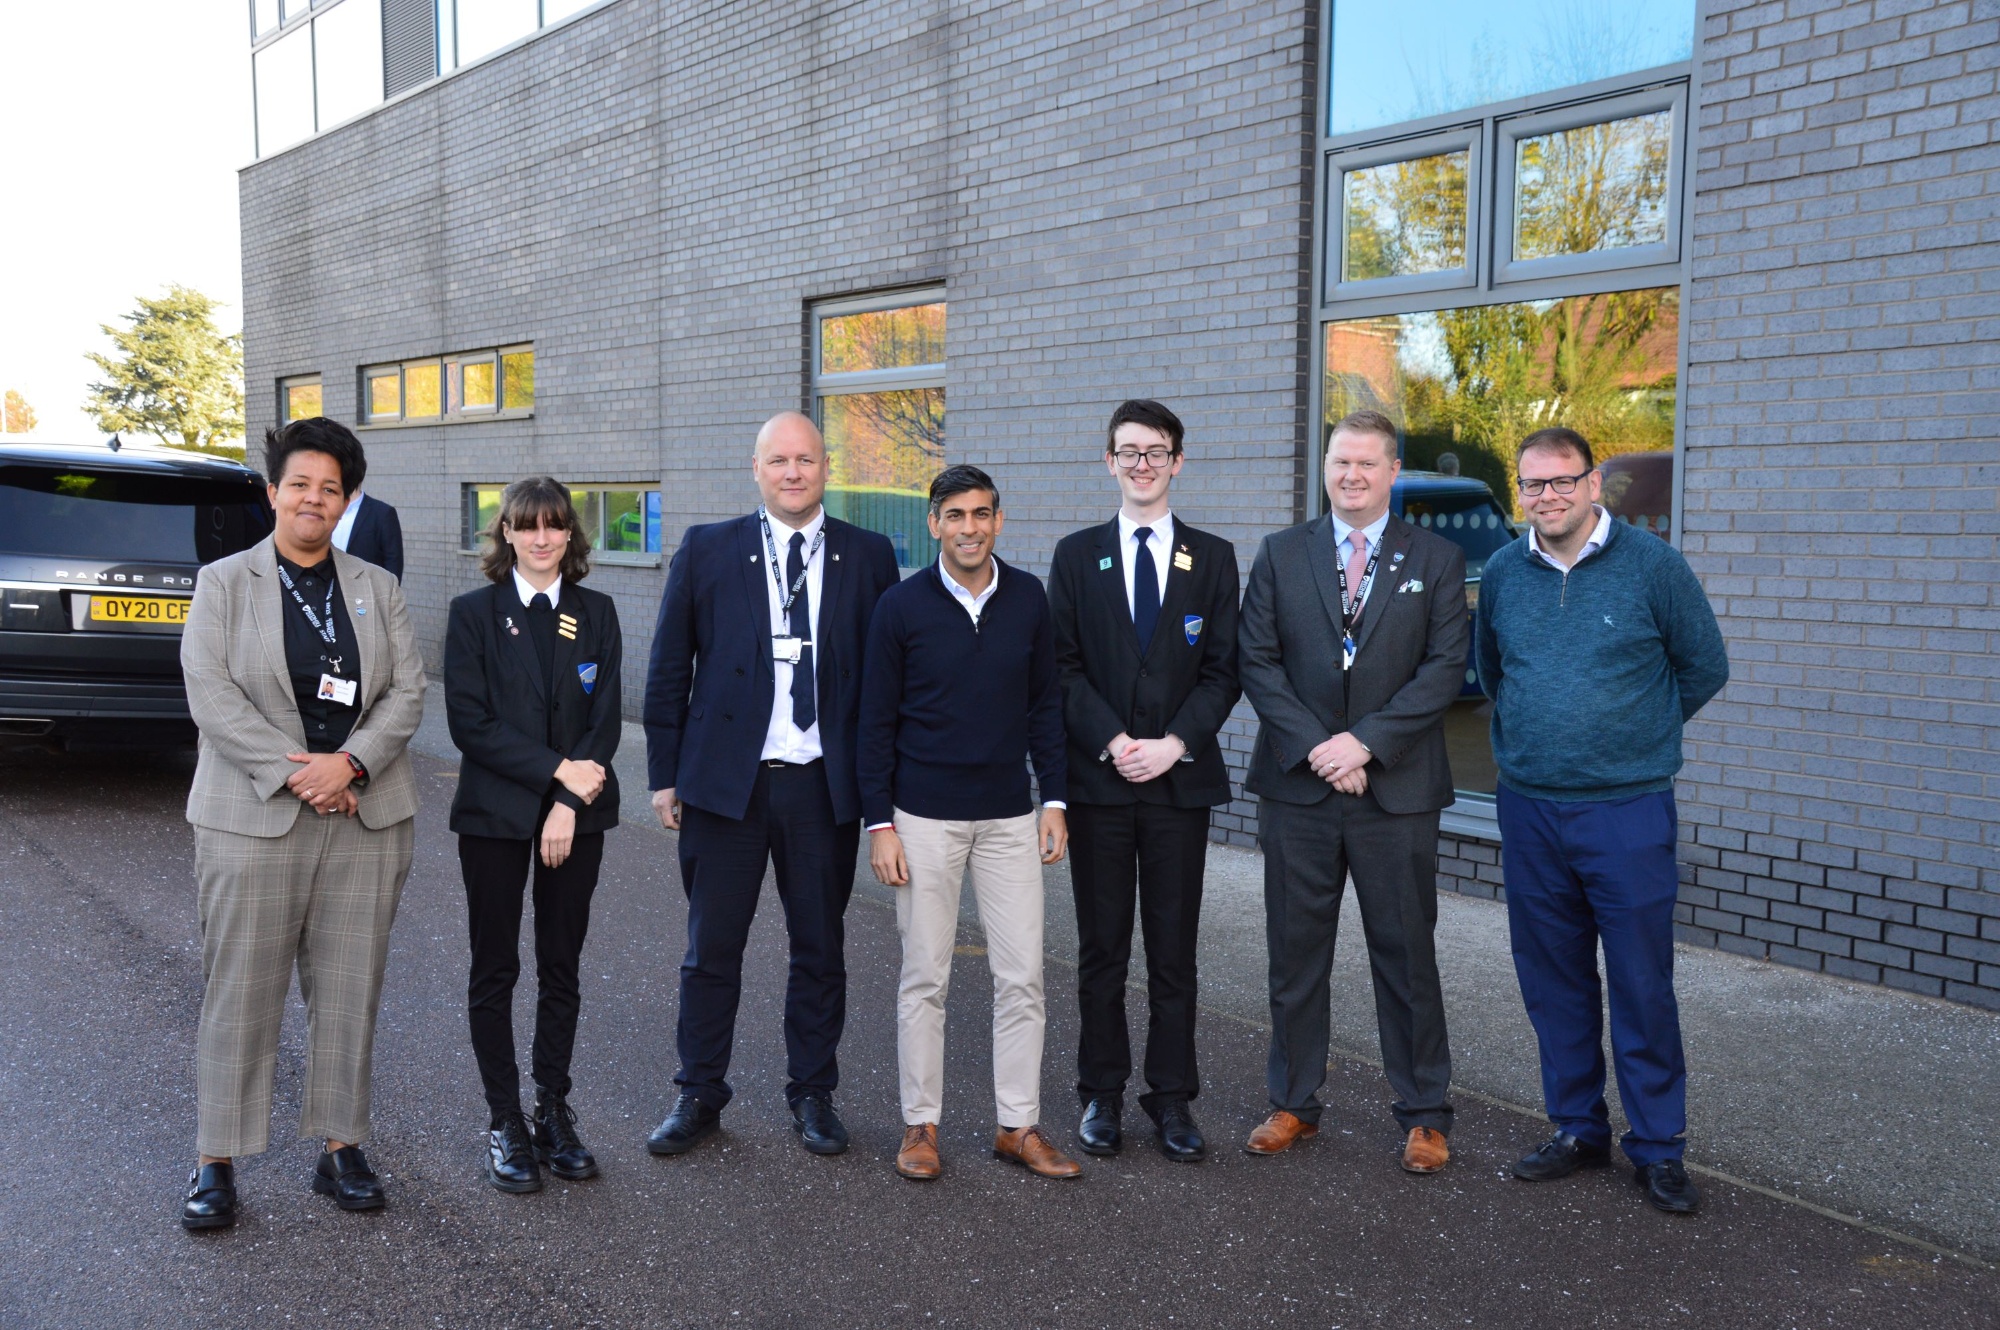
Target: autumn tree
{"x": 174, "y": 375}
{"x": 19, "y": 416}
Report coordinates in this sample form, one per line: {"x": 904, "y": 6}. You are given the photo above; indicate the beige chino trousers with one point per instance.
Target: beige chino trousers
{"x": 322, "y": 897}
{"x": 1006, "y": 864}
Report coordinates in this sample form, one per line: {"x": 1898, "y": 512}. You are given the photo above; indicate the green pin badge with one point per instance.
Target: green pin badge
{"x": 1103, "y": 563}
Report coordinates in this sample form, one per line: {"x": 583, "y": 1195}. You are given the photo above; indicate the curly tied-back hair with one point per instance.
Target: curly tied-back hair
{"x": 316, "y": 434}
{"x": 524, "y": 505}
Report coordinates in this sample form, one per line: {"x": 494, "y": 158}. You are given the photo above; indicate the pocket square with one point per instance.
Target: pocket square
{"x": 1412, "y": 585}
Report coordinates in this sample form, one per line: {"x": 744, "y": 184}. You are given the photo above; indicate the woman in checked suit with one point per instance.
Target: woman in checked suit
{"x": 531, "y": 684}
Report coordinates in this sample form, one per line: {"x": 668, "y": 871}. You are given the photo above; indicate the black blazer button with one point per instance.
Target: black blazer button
{"x": 1339, "y": 715}
{"x": 739, "y": 669}
{"x": 727, "y": 716}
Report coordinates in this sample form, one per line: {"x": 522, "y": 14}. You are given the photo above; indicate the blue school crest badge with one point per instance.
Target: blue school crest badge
{"x": 586, "y": 675}
{"x": 1191, "y": 625}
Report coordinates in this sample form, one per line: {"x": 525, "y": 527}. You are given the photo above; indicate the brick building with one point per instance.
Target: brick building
{"x": 1753, "y": 251}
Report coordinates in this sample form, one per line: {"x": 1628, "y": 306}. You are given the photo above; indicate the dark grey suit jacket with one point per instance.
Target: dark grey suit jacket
{"x": 1409, "y": 663}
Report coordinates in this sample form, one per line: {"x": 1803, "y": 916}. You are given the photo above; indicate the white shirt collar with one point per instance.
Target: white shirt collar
{"x": 1373, "y": 531}
{"x": 782, "y": 533}
{"x": 1162, "y": 528}
{"x": 964, "y": 597}
{"x": 526, "y": 591}
{"x": 343, "y": 530}
{"x": 1598, "y": 535}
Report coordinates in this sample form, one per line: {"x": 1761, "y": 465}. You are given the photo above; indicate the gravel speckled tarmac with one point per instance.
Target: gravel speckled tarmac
{"x": 102, "y": 990}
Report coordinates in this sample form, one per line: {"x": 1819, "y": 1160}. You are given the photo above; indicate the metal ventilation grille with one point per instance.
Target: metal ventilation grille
{"x": 409, "y": 44}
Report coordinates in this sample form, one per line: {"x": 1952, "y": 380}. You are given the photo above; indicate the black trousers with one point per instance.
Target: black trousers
{"x": 789, "y": 825}
{"x": 1155, "y": 855}
{"x": 496, "y": 879}
{"x": 1309, "y": 851}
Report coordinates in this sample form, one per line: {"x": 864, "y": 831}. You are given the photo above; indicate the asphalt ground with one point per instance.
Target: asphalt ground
{"x": 102, "y": 992}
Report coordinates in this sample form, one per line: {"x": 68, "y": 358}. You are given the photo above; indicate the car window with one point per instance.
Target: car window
{"x": 1468, "y": 519}
{"x": 124, "y": 517}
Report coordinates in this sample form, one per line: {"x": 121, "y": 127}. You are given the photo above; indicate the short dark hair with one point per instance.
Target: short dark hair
{"x": 1556, "y": 439}
{"x": 315, "y": 434}
{"x": 1367, "y": 422}
{"x": 533, "y": 502}
{"x": 960, "y": 479}
{"x": 1151, "y": 414}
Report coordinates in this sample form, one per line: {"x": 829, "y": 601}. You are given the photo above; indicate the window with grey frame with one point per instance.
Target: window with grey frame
{"x": 1499, "y": 248}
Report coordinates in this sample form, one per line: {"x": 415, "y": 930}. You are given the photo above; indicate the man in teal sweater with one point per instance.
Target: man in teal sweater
{"x": 1596, "y": 644}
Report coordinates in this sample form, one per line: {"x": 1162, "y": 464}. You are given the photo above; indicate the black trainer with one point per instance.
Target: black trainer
{"x": 1668, "y": 1187}
{"x": 211, "y": 1197}
{"x": 1558, "y": 1157}
{"x": 556, "y": 1141}
{"x": 510, "y": 1156}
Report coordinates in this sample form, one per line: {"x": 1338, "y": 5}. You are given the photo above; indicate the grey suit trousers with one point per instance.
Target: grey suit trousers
{"x": 1309, "y": 850}
{"x": 323, "y": 896}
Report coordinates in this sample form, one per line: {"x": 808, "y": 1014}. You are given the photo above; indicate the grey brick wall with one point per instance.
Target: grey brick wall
{"x": 1841, "y": 802}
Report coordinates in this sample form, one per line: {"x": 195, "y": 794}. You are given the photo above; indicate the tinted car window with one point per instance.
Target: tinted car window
{"x": 74, "y": 512}
{"x": 1470, "y": 520}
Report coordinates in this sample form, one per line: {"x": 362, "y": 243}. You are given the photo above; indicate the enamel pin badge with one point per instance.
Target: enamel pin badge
{"x": 1191, "y": 625}
{"x": 1184, "y": 561}
{"x": 360, "y": 608}
{"x": 511, "y": 628}
{"x": 586, "y": 674}
{"x": 1103, "y": 563}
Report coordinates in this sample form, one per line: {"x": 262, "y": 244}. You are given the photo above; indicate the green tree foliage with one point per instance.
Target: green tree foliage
{"x": 19, "y": 417}
{"x": 174, "y": 375}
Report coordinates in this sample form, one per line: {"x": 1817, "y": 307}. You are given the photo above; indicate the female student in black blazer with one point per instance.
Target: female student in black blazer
{"x": 531, "y": 691}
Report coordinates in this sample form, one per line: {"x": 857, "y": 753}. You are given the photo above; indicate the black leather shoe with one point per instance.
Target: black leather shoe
{"x": 344, "y": 1175}
{"x": 819, "y": 1127}
{"x": 1558, "y": 1157}
{"x": 211, "y": 1197}
{"x": 1180, "y": 1138}
{"x": 1668, "y": 1187}
{"x": 510, "y": 1157}
{"x": 556, "y": 1141}
{"x": 689, "y": 1121}
{"x": 1100, "y": 1132}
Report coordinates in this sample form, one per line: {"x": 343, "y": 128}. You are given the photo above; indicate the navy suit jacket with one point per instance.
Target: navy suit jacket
{"x": 377, "y": 535}
{"x": 710, "y": 684}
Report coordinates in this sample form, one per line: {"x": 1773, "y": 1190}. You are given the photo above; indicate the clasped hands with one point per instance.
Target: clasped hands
{"x": 585, "y": 780}
{"x": 1341, "y": 762}
{"x": 1141, "y": 760}
{"x": 322, "y": 782}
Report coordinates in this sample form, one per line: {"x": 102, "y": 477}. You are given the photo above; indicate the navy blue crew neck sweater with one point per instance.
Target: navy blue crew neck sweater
{"x": 950, "y": 710}
{"x": 1593, "y": 671}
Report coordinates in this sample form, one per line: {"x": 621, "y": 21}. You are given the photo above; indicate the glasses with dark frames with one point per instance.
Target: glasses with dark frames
{"x": 1532, "y": 489}
{"x": 1157, "y": 458}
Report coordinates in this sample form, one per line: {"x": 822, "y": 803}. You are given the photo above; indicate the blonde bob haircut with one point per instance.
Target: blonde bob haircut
{"x": 538, "y": 501}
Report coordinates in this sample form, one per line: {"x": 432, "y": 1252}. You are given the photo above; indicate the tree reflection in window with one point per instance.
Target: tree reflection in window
{"x": 1476, "y": 381}
{"x": 1403, "y": 218}
{"x": 1592, "y": 188}
{"x": 882, "y": 408}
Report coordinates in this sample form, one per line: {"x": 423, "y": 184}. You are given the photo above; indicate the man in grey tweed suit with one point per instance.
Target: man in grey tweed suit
{"x": 304, "y": 677}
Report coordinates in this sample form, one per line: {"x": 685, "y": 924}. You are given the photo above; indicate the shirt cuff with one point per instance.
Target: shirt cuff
{"x": 881, "y": 826}
{"x": 1057, "y": 804}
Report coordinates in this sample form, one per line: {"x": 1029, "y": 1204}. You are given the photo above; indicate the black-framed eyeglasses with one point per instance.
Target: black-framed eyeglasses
{"x": 1532, "y": 489}
{"x": 1157, "y": 458}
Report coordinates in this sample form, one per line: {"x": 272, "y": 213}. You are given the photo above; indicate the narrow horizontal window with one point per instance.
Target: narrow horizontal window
{"x": 467, "y": 385}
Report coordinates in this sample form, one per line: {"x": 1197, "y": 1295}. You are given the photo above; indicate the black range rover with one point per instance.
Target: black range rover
{"x": 98, "y": 555}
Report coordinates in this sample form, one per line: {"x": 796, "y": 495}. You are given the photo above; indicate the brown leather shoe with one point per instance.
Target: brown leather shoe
{"x": 1425, "y": 1151}
{"x": 1032, "y": 1148}
{"x": 918, "y": 1158}
{"x": 1278, "y": 1132}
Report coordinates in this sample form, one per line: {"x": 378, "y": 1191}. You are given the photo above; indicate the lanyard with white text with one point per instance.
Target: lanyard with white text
{"x": 1350, "y": 611}
{"x": 785, "y": 598}
{"x": 323, "y": 627}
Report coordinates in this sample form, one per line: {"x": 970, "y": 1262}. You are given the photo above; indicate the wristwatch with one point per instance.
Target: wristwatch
{"x": 360, "y": 772}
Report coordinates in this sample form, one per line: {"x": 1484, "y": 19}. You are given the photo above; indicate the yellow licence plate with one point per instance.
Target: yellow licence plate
{"x": 139, "y": 609}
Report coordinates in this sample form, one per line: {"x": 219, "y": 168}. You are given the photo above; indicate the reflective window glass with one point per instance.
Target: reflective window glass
{"x": 517, "y": 380}
{"x": 284, "y": 76}
{"x": 478, "y": 385}
{"x": 385, "y": 394}
{"x": 423, "y": 395}
{"x": 263, "y": 16}
{"x": 302, "y": 399}
{"x": 487, "y": 25}
{"x": 882, "y": 339}
{"x": 347, "y": 49}
{"x": 1404, "y": 218}
{"x": 1593, "y": 188}
{"x": 883, "y": 449}
{"x": 482, "y": 505}
{"x": 1417, "y": 58}
{"x": 624, "y": 522}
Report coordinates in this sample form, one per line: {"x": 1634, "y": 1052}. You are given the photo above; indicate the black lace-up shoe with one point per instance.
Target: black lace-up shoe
{"x": 1100, "y": 1132}
{"x": 344, "y": 1175}
{"x": 1180, "y": 1139}
{"x": 211, "y": 1197}
{"x": 1558, "y": 1157}
{"x": 1668, "y": 1187}
{"x": 818, "y": 1125}
{"x": 556, "y": 1141}
{"x": 510, "y": 1156}
{"x": 687, "y": 1123}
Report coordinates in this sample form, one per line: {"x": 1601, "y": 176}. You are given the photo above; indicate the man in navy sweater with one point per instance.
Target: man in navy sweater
{"x": 958, "y": 689}
{"x": 1596, "y": 644}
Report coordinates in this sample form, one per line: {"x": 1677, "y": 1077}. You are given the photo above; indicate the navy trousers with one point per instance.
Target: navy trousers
{"x": 789, "y": 826}
{"x": 1579, "y": 874}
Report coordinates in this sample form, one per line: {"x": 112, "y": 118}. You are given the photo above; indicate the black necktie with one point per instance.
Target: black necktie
{"x": 542, "y": 630}
{"x": 1145, "y": 590}
{"x": 804, "y": 713}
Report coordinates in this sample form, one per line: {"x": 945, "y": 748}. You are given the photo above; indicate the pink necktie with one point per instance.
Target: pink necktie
{"x": 1357, "y": 568}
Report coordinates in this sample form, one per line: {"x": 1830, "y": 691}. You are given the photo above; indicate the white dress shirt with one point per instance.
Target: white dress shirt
{"x": 784, "y": 741}
{"x": 1372, "y": 533}
{"x": 1161, "y": 544}
{"x": 1598, "y": 535}
{"x": 343, "y": 530}
{"x": 526, "y": 590}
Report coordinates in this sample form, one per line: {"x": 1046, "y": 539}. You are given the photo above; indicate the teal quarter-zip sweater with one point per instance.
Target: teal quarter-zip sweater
{"x": 1593, "y": 671}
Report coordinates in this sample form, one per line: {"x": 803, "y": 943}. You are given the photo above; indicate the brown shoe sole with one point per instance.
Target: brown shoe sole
{"x": 1305, "y": 1135}
{"x": 915, "y": 1176}
{"x": 1423, "y": 1170}
{"x": 1016, "y": 1159}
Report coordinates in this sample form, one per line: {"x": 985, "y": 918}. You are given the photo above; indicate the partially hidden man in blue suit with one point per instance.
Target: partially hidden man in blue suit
{"x": 752, "y": 698}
